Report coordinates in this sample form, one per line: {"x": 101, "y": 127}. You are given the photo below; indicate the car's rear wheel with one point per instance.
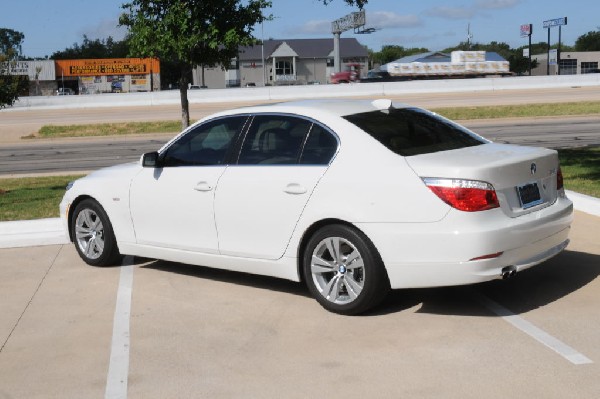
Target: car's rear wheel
{"x": 344, "y": 271}
{"x": 93, "y": 235}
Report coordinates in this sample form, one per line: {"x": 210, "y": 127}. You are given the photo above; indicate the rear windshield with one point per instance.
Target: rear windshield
{"x": 412, "y": 131}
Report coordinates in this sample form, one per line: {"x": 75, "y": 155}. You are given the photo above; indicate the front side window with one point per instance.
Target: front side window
{"x": 206, "y": 144}
{"x": 274, "y": 140}
{"x": 412, "y": 131}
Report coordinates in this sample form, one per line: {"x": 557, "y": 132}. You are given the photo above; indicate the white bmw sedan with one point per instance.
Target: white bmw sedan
{"x": 351, "y": 197}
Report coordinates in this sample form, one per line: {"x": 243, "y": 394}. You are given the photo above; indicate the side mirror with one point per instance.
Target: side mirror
{"x": 150, "y": 160}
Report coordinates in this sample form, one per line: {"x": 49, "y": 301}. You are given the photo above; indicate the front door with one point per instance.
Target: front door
{"x": 172, "y": 206}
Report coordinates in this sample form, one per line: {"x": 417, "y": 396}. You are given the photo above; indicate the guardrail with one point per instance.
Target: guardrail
{"x": 304, "y": 92}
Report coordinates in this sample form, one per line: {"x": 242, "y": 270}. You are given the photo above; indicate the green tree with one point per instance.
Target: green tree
{"x": 10, "y": 46}
{"x": 588, "y": 42}
{"x": 359, "y": 3}
{"x": 97, "y": 48}
{"x": 520, "y": 64}
{"x": 389, "y": 53}
{"x": 191, "y": 32}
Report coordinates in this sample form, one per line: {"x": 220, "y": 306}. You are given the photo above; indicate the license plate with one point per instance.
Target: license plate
{"x": 529, "y": 194}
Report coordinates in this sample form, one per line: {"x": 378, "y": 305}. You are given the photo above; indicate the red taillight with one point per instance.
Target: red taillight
{"x": 559, "y": 179}
{"x": 464, "y": 195}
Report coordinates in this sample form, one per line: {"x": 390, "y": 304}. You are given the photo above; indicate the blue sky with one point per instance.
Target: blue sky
{"x": 51, "y": 25}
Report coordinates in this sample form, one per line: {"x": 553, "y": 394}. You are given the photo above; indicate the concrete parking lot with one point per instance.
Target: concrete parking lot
{"x": 153, "y": 329}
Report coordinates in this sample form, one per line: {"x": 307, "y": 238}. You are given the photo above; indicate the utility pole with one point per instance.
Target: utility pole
{"x": 469, "y": 36}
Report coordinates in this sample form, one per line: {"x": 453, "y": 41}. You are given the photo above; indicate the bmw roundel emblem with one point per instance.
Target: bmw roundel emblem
{"x": 533, "y": 168}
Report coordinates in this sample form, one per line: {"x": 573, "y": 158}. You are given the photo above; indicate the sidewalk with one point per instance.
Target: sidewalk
{"x": 30, "y": 233}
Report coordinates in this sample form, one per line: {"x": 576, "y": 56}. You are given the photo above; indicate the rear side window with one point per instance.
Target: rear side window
{"x": 320, "y": 147}
{"x": 274, "y": 140}
{"x": 411, "y": 131}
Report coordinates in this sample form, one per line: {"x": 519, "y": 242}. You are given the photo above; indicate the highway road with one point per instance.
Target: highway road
{"x": 21, "y": 157}
{"x": 72, "y": 156}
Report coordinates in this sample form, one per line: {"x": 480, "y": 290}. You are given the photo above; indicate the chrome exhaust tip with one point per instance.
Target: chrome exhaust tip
{"x": 508, "y": 272}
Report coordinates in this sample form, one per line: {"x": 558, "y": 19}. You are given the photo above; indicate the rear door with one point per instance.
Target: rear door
{"x": 260, "y": 199}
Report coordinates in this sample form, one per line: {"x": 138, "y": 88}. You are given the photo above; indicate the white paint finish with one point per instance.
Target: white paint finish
{"x": 535, "y": 332}
{"x": 255, "y": 214}
{"x": 365, "y": 184}
{"x": 105, "y": 186}
{"x": 118, "y": 368}
{"x": 168, "y": 210}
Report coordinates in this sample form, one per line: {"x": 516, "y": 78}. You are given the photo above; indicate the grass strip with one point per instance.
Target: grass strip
{"x": 520, "y": 111}
{"x": 32, "y": 197}
{"x": 581, "y": 170}
{"x": 38, "y": 197}
{"x": 455, "y": 113}
{"x": 109, "y": 129}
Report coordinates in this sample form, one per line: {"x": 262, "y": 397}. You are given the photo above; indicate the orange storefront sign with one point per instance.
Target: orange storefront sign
{"x": 107, "y": 66}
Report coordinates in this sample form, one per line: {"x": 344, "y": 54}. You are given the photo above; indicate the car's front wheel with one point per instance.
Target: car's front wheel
{"x": 93, "y": 235}
{"x": 344, "y": 271}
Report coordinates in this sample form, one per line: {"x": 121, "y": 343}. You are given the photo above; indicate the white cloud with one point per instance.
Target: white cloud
{"x": 389, "y": 19}
{"x": 375, "y": 19}
{"x": 469, "y": 11}
{"x": 313, "y": 27}
{"x": 496, "y": 4}
{"x": 417, "y": 40}
{"x": 452, "y": 12}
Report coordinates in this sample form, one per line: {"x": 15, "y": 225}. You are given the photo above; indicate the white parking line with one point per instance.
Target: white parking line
{"x": 118, "y": 368}
{"x": 534, "y": 332}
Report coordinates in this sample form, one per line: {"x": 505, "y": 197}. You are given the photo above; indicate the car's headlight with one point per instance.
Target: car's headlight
{"x": 69, "y": 185}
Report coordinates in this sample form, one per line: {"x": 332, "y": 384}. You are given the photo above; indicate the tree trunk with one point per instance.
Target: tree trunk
{"x": 185, "y": 105}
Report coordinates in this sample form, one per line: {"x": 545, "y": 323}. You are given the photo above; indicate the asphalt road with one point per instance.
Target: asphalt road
{"x": 84, "y": 155}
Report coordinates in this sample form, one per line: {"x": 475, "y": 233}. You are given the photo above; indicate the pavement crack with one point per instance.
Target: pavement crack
{"x": 31, "y": 299}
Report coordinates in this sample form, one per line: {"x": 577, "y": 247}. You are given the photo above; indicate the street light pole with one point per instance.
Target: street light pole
{"x": 262, "y": 51}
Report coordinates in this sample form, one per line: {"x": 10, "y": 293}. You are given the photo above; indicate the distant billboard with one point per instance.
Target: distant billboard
{"x": 107, "y": 66}
{"x": 526, "y": 30}
{"x": 555, "y": 22}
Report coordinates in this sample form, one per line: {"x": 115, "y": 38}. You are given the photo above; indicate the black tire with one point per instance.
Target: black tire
{"x": 93, "y": 235}
{"x": 342, "y": 286}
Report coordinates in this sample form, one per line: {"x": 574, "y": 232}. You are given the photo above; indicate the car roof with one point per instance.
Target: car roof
{"x": 332, "y": 107}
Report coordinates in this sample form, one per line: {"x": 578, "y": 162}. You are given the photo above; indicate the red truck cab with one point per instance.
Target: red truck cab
{"x": 351, "y": 74}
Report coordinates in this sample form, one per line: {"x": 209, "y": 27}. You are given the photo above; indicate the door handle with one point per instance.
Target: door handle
{"x": 295, "y": 188}
{"x": 203, "y": 186}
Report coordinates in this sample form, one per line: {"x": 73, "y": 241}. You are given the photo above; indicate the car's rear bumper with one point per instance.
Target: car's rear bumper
{"x": 442, "y": 253}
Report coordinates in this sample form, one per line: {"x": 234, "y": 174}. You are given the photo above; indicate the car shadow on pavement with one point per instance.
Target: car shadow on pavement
{"x": 528, "y": 290}
{"x": 226, "y": 276}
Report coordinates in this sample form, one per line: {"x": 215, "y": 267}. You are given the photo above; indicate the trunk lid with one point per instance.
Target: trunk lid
{"x": 517, "y": 173}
